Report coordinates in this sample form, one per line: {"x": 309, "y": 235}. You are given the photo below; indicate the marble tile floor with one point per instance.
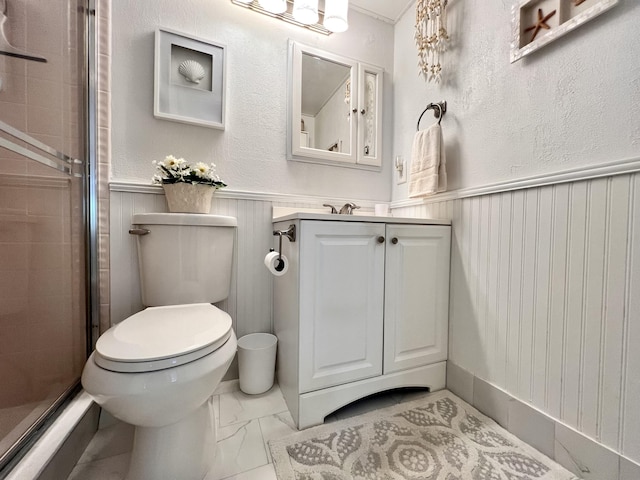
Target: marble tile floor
{"x": 245, "y": 424}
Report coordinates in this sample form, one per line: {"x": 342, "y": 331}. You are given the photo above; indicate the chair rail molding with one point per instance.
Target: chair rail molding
{"x": 230, "y": 194}
{"x": 618, "y": 167}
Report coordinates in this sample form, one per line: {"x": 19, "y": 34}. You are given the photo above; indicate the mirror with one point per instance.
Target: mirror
{"x": 325, "y": 122}
{"x": 334, "y": 114}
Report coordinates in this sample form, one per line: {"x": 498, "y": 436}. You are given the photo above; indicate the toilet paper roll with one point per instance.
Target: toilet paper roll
{"x": 275, "y": 265}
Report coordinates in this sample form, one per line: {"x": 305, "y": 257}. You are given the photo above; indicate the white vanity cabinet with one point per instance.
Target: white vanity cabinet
{"x": 362, "y": 309}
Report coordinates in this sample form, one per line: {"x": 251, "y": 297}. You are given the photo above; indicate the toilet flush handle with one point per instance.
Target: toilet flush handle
{"x": 139, "y": 231}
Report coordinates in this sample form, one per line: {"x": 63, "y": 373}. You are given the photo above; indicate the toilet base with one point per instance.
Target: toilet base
{"x": 184, "y": 450}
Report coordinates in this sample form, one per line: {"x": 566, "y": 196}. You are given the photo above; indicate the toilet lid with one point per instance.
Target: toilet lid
{"x": 163, "y": 337}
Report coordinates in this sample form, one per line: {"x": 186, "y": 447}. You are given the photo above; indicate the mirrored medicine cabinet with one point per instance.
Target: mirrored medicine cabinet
{"x": 335, "y": 109}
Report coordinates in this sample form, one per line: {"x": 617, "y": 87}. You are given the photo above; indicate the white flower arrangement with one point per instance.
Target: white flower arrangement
{"x": 177, "y": 170}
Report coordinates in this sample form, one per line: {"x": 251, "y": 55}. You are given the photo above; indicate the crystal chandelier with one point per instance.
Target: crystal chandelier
{"x": 304, "y": 13}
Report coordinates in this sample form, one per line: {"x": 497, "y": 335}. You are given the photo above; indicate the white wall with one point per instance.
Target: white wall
{"x": 572, "y": 104}
{"x": 575, "y": 102}
{"x": 250, "y": 153}
{"x": 543, "y": 279}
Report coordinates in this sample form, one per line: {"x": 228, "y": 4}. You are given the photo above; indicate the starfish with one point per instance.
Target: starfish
{"x": 542, "y": 23}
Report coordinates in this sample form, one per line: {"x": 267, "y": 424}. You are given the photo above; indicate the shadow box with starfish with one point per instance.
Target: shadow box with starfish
{"x": 538, "y": 22}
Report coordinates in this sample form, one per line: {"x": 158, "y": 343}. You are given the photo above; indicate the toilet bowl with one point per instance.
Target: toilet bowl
{"x": 158, "y": 369}
{"x": 161, "y": 381}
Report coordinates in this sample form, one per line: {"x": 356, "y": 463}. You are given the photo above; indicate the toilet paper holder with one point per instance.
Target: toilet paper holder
{"x": 290, "y": 233}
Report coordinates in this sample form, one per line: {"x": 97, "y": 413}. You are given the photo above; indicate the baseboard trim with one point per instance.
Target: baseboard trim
{"x": 591, "y": 460}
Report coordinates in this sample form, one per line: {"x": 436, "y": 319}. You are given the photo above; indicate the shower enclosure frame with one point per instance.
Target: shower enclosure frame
{"x": 90, "y": 216}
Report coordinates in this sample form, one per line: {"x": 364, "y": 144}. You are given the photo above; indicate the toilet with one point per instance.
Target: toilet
{"x": 157, "y": 369}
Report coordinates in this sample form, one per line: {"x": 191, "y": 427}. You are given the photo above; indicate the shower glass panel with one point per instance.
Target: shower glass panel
{"x": 43, "y": 300}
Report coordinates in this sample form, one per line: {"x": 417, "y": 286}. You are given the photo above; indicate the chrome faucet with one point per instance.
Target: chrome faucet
{"x": 333, "y": 209}
{"x": 348, "y": 208}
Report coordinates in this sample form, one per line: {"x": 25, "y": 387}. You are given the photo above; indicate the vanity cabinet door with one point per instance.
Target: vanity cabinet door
{"x": 341, "y": 303}
{"x": 416, "y": 296}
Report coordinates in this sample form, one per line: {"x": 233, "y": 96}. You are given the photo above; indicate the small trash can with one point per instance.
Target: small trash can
{"x": 257, "y": 362}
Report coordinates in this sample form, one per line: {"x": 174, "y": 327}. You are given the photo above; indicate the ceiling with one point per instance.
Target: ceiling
{"x": 387, "y": 10}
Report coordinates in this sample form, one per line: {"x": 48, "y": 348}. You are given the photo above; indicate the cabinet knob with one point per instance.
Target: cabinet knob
{"x": 355, "y": 110}
{"x": 394, "y": 240}
{"x": 380, "y": 239}
{"x": 363, "y": 111}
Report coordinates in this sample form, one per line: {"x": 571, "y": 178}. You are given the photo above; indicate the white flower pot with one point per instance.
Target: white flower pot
{"x": 188, "y": 197}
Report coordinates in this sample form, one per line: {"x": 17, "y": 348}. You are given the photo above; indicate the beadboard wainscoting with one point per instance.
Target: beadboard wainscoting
{"x": 249, "y": 302}
{"x": 544, "y": 299}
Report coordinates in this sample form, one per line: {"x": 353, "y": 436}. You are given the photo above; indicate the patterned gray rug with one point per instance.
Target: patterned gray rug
{"x": 439, "y": 437}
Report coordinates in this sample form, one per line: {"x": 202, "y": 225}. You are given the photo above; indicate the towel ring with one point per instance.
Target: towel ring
{"x": 442, "y": 109}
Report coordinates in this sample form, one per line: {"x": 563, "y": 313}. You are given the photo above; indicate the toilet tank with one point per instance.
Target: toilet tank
{"x": 185, "y": 258}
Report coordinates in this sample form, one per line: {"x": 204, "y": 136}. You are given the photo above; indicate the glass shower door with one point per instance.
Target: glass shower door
{"x": 43, "y": 300}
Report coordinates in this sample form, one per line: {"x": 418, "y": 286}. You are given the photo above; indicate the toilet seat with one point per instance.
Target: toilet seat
{"x": 163, "y": 337}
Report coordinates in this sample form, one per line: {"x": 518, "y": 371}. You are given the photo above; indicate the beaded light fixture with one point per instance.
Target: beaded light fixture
{"x": 431, "y": 37}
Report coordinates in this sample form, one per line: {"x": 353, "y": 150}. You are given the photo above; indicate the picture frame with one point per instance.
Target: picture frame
{"x": 189, "y": 79}
{"x": 569, "y": 15}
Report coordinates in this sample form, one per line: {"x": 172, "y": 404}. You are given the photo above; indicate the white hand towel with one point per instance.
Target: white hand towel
{"x": 428, "y": 163}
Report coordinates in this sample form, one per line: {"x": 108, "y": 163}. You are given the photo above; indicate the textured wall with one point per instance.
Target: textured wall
{"x": 543, "y": 303}
{"x": 575, "y": 102}
{"x": 250, "y": 153}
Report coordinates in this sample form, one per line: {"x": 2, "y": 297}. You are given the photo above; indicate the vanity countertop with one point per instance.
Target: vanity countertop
{"x": 359, "y": 218}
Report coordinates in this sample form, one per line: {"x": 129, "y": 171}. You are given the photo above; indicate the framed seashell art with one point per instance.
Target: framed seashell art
{"x": 189, "y": 80}
{"x": 539, "y": 22}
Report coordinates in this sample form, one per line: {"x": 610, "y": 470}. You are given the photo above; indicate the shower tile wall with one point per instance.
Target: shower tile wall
{"x": 42, "y": 99}
{"x": 103, "y": 117}
{"x": 544, "y": 300}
